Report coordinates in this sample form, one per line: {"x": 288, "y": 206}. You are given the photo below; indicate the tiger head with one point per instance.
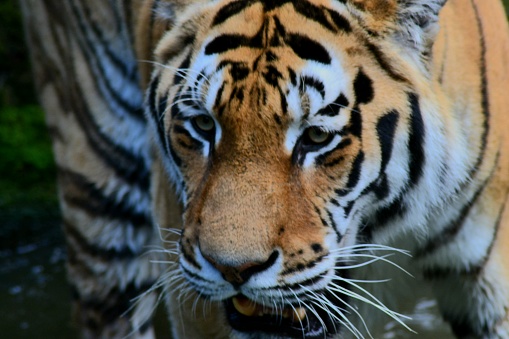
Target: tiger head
{"x": 292, "y": 131}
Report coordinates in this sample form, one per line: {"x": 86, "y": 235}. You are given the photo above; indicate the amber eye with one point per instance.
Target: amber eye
{"x": 316, "y": 136}
{"x": 203, "y": 123}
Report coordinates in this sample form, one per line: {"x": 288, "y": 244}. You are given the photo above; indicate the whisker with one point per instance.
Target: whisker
{"x": 181, "y": 71}
{"x": 375, "y": 303}
{"x": 358, "y": 314}
{"x": 372, "y": 247}
{"x": 325, "y": 304}
{"x": 373, "y": 259}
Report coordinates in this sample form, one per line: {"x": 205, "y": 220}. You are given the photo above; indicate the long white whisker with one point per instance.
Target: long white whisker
{"x": 374, "y": 259}
{"x": 358, "y": 314}
{"x": 375, "y": 303}
{"x": 370, "y": 247}
{"x": 342, "y": 106}
{"x": 342, "y": 319}
{"x": 181, "y": 71}
{"x": 320, "y": 300}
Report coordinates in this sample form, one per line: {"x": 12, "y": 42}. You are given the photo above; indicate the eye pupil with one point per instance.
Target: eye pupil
{"x": 317, "y": 136}
{"x": 204, "y": 123}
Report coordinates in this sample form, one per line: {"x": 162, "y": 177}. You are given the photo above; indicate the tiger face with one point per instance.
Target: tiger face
{"x": 279, "y": 122}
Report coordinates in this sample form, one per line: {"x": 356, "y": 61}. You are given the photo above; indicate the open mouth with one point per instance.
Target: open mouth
{"x": 245, "y": 315}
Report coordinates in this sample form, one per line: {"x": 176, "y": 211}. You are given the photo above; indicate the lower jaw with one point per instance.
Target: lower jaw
{"x": 274, "y": 326}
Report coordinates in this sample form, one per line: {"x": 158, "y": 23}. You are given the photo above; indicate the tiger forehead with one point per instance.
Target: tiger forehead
{"x": 316, "y": 10}
{"x": 261, "y": 46}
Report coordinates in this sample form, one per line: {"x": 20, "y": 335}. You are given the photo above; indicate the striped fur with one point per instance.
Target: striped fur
{"x": 303, "y": 141}
{"x": 88, "y": 80}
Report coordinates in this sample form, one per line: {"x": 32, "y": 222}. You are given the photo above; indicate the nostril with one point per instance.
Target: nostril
{"x": 238, "y": 275}
{"x": 247, "y": 272}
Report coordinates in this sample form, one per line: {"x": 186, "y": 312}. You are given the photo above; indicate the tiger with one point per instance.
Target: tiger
{"x": 292, "y": 157}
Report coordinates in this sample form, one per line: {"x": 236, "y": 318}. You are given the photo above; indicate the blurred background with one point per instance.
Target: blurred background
{"x": 34, "y": 296}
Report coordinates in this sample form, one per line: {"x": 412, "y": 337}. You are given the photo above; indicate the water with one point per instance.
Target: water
{"x": 35, "y": 297}
{"x": 34, "y": 294}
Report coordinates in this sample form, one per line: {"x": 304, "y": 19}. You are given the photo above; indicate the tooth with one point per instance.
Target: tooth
{"x": 244, "y": 306}
{"x": 299, "y": 314}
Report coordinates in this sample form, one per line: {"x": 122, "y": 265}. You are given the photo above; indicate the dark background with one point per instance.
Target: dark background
{"x": 34, "y": 297}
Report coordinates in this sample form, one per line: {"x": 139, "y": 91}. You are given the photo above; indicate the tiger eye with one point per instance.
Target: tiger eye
{"x": 204, "y": 123}
{"x": 317, "y": 136}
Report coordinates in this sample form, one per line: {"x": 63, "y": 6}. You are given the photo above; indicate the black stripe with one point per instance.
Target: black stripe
{"x": 78, "y": 243}
{"x": 323, "y": 221}
{"x": 334, "y": 162}
{"x": 182, "y": 70}
{"x": 188, "y": 256}
{"x": 355, "y": 173}
{"x": 116, "y": 304}
{"x": 293, "y": 76}
{"x": 217, "y": 101}
{"x": 484, "y": 92}
{"x": 333, "y": 109}
{"x": 308, "y": 49}
{"x": 363, "y": 88}
{"x": 314, "y": 83}
{"x": 381, "y": 59}
{"x": 177, "y": 80}
{"x": 322, "y": 158}
{"x": 227, "y": 42}
{"x": 339, "y": 236}
{"x": 269, "y": 5}
{"x": 380, "y": 187}
{"x": 348, "y": 208}
{"x": 156, "y": 111}
{"x": 194, "y": 276}
{"x": 230, "y": 10}
{"x": 394, "y": 209}
{"x": 473, "y": 270}
{"x": 327, "y": 18}
{"x": 129, "y": 71}
{"x": 187, "y": 142}
{"x": 449, "y": 233}
{"x": 321, "y": 15}
{"x": 239, "y": 71}
{"x": 355, "y": 125}
{"x": 416, "y": 140}
{"x": 129, "y": 166}
{"x": 354, "y": 176}
{"x": 386, "y": 129}
{"x": 284, "y": 102}
{"x": 277, "y": 119}
{"x": 237, "y": 93}
{"x": 272, "y": 75}
{"x": 85, "y": 195}
{"x": 278, "y": 34}
{"x": 443, "y": 58}
{"x": 342, "y": 24}
{"x": 174, "y": 156}
{"x": 297, "y": 288}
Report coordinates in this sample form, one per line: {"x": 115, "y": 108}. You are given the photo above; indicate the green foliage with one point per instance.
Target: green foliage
{"x": 27, "y": 171}
{"x": 24, "y": 143}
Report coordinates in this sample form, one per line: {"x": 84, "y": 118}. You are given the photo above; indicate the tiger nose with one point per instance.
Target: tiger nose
{"x": 238, "y": 275}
